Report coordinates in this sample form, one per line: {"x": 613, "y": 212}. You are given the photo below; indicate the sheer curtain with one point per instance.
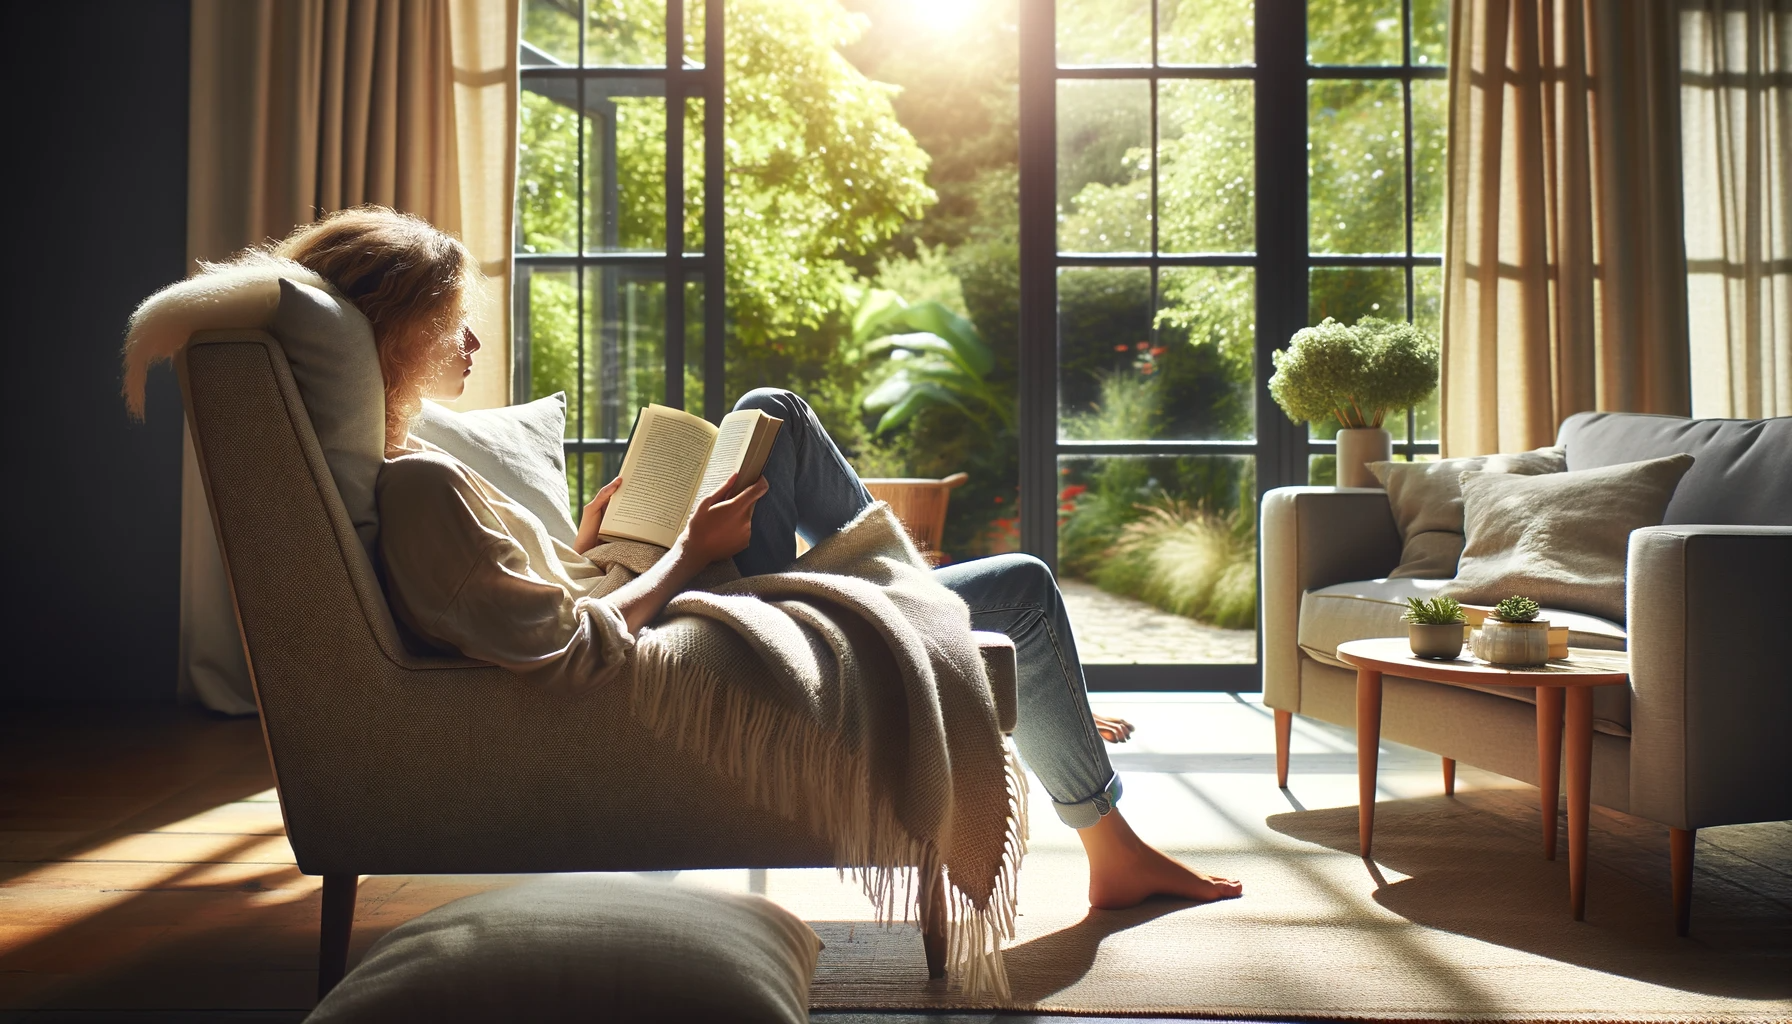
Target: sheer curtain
{"x": 301, "y": 107}
{"x": 1564, "y": 267}
{"x": 1736, "y": 122}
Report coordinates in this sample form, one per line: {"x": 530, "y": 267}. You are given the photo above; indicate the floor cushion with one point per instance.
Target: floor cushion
{"x": 1372, "y": 608}
{"x": 618, "y": 948}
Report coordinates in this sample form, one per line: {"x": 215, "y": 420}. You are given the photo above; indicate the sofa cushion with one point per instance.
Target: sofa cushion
{"x": 583, "y": 948}
{"x": 1560, "y": 539}
{"x": 1371, "y": 608}
{"x": 1742, "y": 475}
{"x": 1426, "y": 499}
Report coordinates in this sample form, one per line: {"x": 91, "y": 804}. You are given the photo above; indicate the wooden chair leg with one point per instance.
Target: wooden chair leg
{"x": 1449, "y": 776}
{"x": 1680, "y": 854}
{"x": 933, "y": 918}
{"x": 338, "y": 922}
{"x": 1284, "y": 726}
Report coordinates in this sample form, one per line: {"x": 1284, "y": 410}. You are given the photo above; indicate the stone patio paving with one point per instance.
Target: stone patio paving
{"x": 1116, "y": 630}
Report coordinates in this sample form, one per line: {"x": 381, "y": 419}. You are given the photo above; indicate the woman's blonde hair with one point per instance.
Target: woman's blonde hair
{"x": 412, "y": 280}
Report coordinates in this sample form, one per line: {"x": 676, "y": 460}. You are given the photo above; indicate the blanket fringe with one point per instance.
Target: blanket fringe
{"x": 792, "y": 766}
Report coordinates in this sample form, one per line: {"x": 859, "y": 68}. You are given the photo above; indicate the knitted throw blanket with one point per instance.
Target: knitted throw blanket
{"x": 848, "y": 694}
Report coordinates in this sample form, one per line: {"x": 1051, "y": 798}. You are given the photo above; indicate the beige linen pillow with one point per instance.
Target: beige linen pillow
{"x": 583, "y": 948}
{"x": 1426, "y": 499}
{"x": 1560, "y": 539}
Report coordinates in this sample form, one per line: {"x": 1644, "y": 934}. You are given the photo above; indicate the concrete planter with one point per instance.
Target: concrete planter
{"x": 1434, "y": 640}
{"x": 1356, "y": 448}
{"x": 1512, "y": 643}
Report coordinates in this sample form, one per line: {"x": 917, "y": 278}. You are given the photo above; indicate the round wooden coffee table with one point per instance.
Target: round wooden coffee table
{"x": 1567, "y": 681}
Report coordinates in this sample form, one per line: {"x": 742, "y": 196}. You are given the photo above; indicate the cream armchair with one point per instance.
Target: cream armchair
{"x": 1696, "y": 740}
{"x": 391, "y": 763}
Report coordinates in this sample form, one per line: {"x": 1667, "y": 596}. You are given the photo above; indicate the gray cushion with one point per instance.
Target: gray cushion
{"x": 518, "y": 449}
{"x": 1333, "y": 615}
{"x": 1426, "y": 499}
{"x": 586, "y": 948}
{"x": 1560, "y": 539}
{"x": 329, "y": 346}
{"x": 1742, "y": 475}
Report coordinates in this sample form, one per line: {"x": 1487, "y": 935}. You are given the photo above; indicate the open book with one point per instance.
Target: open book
{"x": 674, "y": 459}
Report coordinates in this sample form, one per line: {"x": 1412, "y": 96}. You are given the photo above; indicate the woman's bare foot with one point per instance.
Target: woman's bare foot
{"x": 1124, "y": 871}
{"x": 1114, "y": 730}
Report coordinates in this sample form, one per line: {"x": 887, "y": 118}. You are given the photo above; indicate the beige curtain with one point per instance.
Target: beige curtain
{"x": 1564, "y": 269}
{"x": 301, "y": 107}
{"x": 1736, "y": 122}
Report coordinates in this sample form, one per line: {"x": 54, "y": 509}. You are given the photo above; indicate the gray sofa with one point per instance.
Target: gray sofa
{"x": 1698, "y": 738}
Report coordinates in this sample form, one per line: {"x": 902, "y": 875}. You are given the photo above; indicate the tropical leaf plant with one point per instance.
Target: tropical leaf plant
{"x": 932, "y": 356}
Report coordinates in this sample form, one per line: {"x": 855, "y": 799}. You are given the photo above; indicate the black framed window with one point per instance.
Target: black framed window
{"x": 618, "y": 294}
{"x": 1199, "y": 180}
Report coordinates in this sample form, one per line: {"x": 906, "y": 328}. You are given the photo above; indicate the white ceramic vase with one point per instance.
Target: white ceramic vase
{"x": 1512, "y": 643}
{"x": 1357, "y": 447}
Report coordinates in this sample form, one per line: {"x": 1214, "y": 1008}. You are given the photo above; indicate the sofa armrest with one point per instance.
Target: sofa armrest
{"x": 1710, "y": 674}
{"x": 1314, "y": 537}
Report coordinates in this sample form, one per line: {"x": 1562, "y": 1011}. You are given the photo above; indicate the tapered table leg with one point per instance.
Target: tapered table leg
{"x": 1549, "y": 761}
{"x": 1449, "y": 776}
{"x": 1580, "y": 785}
{"x": 1368, "y": 742}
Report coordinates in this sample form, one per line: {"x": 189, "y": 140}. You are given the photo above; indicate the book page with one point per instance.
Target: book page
{"x": 737, "y": 430}
{"x": 665, "y": 460}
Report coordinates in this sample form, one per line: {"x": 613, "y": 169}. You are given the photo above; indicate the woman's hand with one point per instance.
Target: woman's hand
{"x": 593, "y": 518}
{"x": 721, "y": 526}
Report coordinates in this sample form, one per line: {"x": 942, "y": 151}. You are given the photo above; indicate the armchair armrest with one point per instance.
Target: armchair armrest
{"x": 1710, "y": 674}
{"x": 1004, "y": 683}
{"x": 1314, "y": 537}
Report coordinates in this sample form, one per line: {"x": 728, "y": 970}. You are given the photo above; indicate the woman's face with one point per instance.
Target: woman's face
{"x": 453, "y": 380}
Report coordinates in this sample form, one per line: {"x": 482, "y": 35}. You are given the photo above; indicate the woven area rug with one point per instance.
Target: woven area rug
{"x": 1459, "y": 918}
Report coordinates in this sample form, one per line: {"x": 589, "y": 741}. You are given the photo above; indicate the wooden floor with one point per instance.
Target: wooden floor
{"x": 145, "y": 875}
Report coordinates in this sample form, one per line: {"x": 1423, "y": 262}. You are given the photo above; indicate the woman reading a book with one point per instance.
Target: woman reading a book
{"x": 469, "y": 569}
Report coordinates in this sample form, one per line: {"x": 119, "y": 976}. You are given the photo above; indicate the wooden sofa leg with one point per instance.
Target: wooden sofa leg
{"x": 1680, "y": 855}
{"x": 1449, "y": 776}
{"x": 338, "y": 922}
{"x": 933, "y": 918}
{"x": 1284, "y": 727}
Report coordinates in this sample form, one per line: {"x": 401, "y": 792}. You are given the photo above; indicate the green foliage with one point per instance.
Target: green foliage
{"x": 1516, "y": 609}
{"x": 1355, "y": 374}
{"x": 1439, "y": 611}
{"x": 939, "y": 359}
{"x": 1187, "y": 560}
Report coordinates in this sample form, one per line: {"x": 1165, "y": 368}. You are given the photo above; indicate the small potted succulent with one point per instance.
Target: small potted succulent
{"x": 1434, "y": 628}
{"x": 1512, "y": 634}
{"x": 1355, "y": 375}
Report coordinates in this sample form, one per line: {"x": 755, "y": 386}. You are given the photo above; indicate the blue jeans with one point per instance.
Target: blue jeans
{"x": 812, "y": 490}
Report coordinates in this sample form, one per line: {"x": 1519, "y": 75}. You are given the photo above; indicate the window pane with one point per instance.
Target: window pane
{"x": 625, "y": 33}
{"x": 1353, "y": 32}
{"x": 1206, "y": 31}
{"x": 1322, "y": 470}
{"x": 625, "y": 168}
{"x": 625, "y": 354}
{"x": 1427, "y": 316}
{"x": 550, "y": 30}
{"x": 1104, "y": 172}
{"x": 1430, "y": 113}
{"x": 1207, "y": 176}
{"x": 694, "y": 14}
{"x": 693, "y": 174}
{"x": 550, "y": 324}
{"x": 1190, "y": 379}
{"x": 1104, "y": 32}
{"x": 1157, "y": 558}
{"x": 1347, "y": 294}
{"x": 547, "y": 187}
{"x": 1430, "y": 31}
{"x": 1356, "y": 167}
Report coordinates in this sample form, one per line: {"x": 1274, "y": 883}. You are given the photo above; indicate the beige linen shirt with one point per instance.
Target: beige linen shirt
{"x": 470, "y": 569}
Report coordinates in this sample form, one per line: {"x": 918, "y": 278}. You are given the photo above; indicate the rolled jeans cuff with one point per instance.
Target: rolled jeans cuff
{"x": 1085, "y": 813}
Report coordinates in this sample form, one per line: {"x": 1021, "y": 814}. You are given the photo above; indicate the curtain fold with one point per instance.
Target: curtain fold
{"x": 301, "y": 107}
{"x": 1736, "y": 121}
{"x": 1564, "y": 266}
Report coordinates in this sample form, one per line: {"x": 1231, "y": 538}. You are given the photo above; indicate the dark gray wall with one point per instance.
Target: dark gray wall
{"x": 95, "y": 130}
